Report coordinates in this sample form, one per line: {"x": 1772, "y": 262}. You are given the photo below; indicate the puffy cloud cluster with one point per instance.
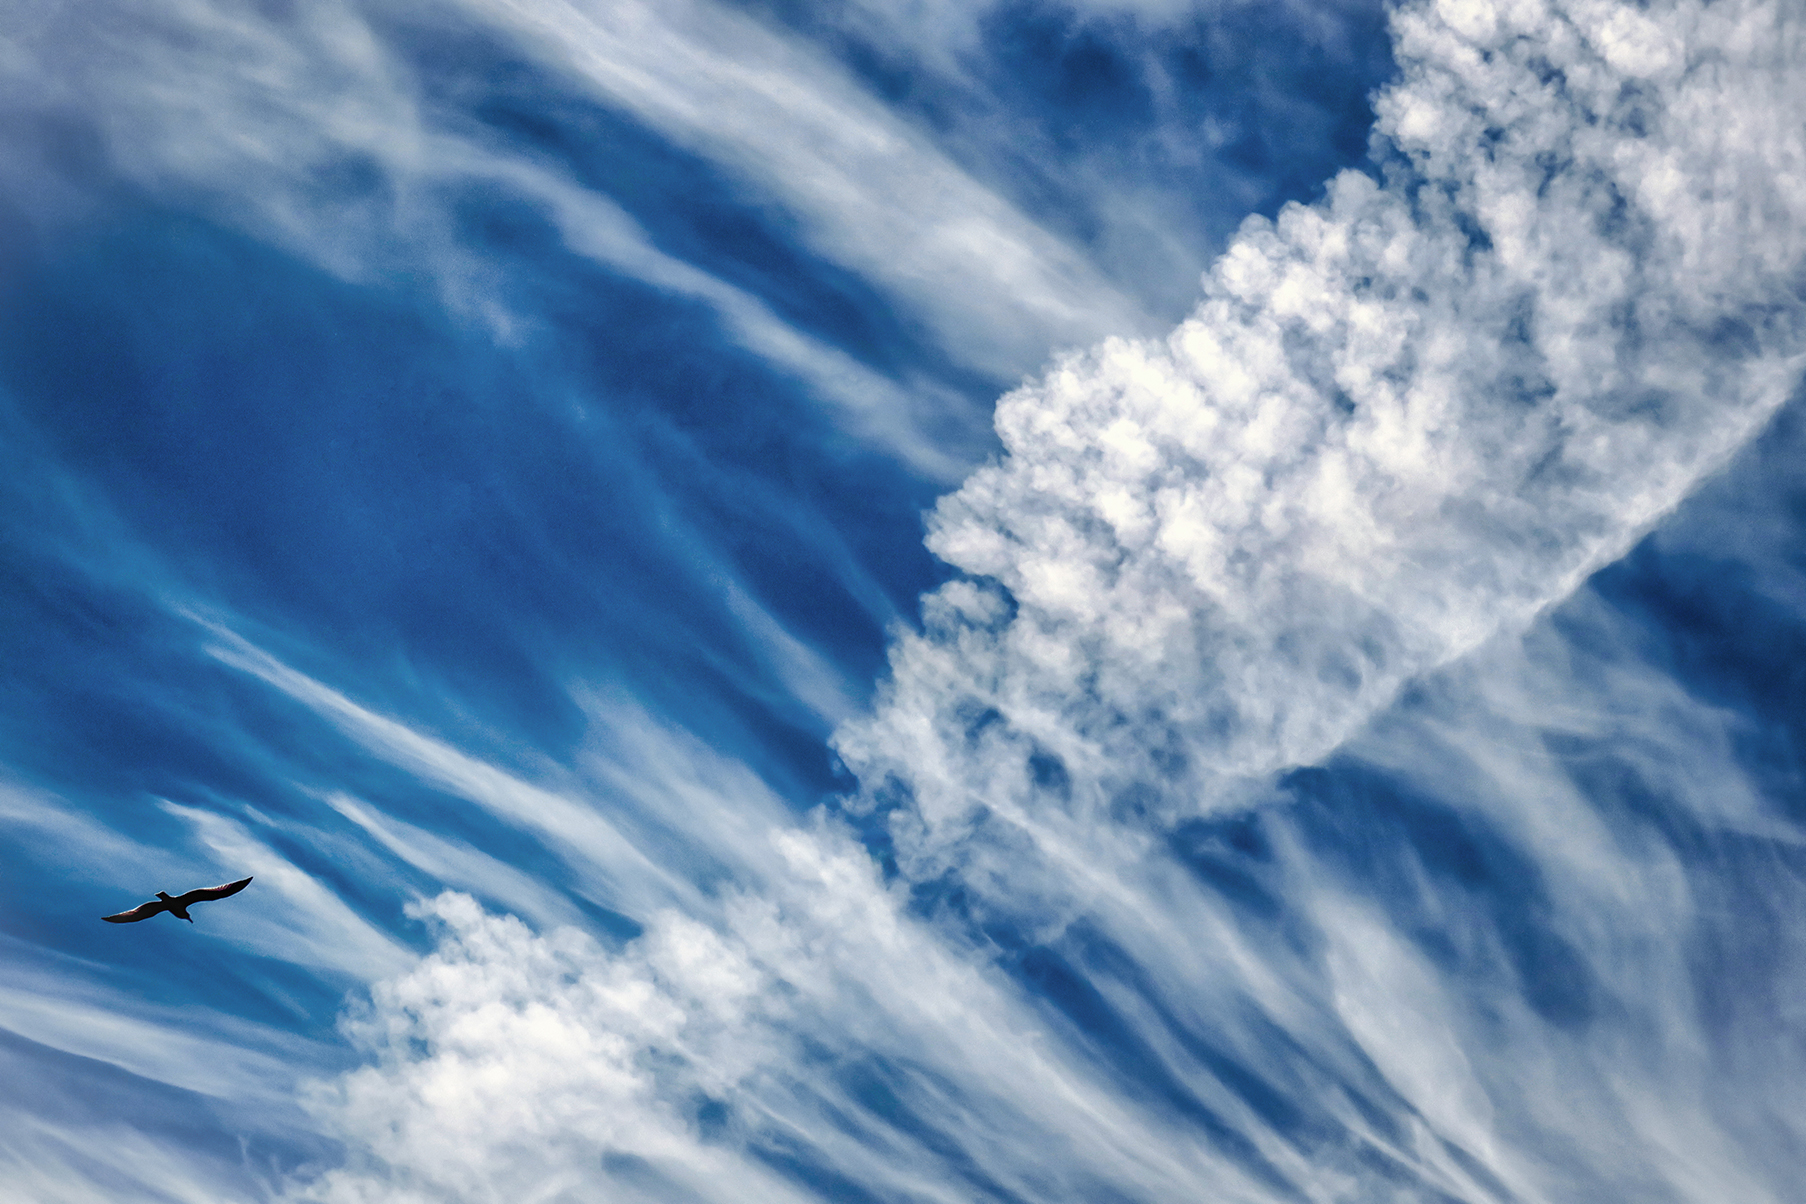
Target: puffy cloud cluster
{"x": 536, "y": 1060}
{"x": 811, "y": 1035}
{"x": 1401, "y": 420}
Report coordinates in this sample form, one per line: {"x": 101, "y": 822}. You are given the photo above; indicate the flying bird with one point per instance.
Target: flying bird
{"x": 177, "y": 905}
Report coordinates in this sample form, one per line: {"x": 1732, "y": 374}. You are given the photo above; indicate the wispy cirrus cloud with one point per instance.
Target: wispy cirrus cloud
{"x": 311, "y": 132}
{"x": 313, "y": 129}
{"x": 871, "y": 191}
{"x": 1166, "y": 120}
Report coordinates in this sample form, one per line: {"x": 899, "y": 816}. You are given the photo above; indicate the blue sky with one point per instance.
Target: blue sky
{"x": 899, "y": 601}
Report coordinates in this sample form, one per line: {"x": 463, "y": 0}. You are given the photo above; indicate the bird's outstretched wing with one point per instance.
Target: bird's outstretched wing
{"x": 143, "y": 911}
{"x": 205, "y": 893}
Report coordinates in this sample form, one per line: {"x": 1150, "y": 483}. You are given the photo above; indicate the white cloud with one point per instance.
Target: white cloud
{"x": 510, "y": 1063}
{"x": 1401, "y": 420}
{"x": 537, "y": 1068}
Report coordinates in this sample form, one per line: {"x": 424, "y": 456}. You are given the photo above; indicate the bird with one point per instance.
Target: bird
{"x": 177, "y": 905}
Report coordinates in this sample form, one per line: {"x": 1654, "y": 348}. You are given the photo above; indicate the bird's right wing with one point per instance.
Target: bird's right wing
{"x": 143, "y": 911}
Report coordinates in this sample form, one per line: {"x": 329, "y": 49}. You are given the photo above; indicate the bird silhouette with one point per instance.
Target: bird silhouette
{"x": 177, "y": 905}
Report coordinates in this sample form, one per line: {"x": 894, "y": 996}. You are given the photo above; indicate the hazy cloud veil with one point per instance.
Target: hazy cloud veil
{"x": 1355, "y": 754}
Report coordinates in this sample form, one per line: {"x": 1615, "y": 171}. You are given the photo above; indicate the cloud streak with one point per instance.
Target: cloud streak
{"x": 874, "y": 194}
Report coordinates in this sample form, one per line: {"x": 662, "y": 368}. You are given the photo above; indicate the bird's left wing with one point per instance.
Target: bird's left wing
{"x": 143, "y": 911}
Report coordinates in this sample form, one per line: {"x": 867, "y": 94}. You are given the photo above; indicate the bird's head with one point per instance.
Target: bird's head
{"x": 162, "y": 895}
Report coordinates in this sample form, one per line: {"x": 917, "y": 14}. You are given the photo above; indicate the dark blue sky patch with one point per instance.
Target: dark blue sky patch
{"x": 1747, "y": 890}
{"x": 1085, "y": 79}
{"x": 311, "y": 452}
{"x": 1483, "y": 893}
{"x": 889, "y": 1092}
{"x": 1228, "y": 855}
{"x": 1709, "y": 624}
{"x": 1070, "y": 992}
{"x": 805, "y": 1167}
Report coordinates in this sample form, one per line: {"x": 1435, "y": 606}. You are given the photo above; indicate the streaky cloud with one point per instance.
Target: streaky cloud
{"x": 622, "y": 871}
{"x": 251, "y": 118}
{"x": 873, "y": 193}
{"x": 459, "y": 865}
{"x": 1142, "y": 131}
{"x": 1468, "y": 960}
{"x": 253, "y": 1064}
{"x": 666, "y": 1063}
